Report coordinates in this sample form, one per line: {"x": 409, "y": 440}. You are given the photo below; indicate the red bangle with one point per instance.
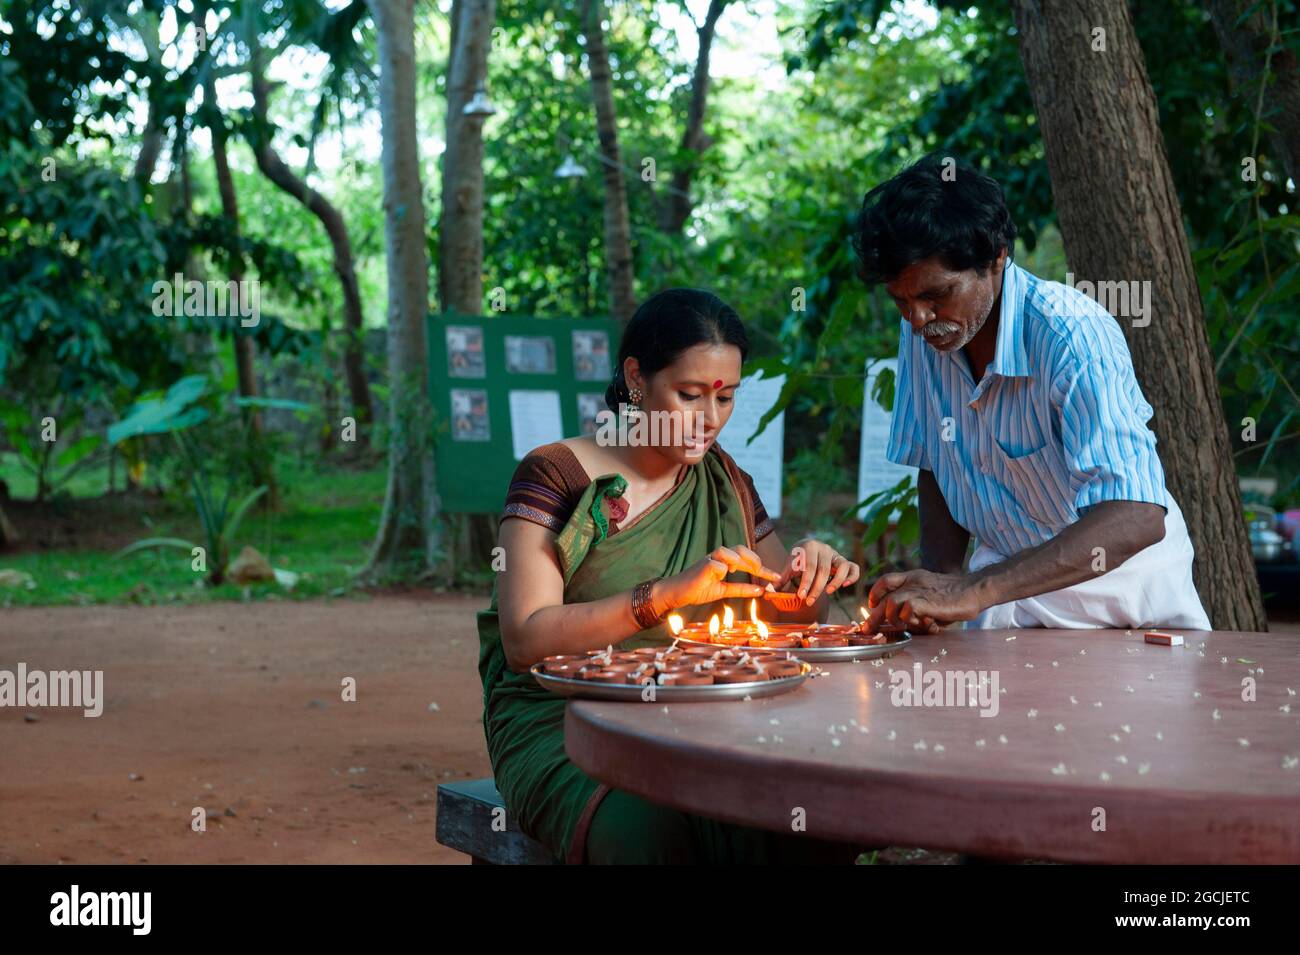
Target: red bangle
{"x": 642, "y": 607}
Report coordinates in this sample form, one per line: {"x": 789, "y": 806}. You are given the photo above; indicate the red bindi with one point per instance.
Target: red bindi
{"x": 717, "y": 384}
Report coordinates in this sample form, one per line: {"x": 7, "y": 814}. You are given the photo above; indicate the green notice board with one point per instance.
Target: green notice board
{"x": 501, "y": 386}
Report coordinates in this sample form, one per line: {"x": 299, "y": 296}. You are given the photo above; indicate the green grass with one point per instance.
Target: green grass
{"x": 323, "y": 531}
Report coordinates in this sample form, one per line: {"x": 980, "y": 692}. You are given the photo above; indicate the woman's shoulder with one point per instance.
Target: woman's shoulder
{"x": 546, "y": 486}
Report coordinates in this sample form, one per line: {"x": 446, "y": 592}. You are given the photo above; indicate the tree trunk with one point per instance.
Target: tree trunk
{"x": 676, "y": 206}
{"x": 1246, "y": 41}
{"x": 8, "y": 533}
{"x": 408, "y": 529}
{"x": 354, "y": 364}
{"x": 618, "y": 231}
{"x": 460, "y": 231}
{"x": 1120, "y": 220}
{"x": 245, "y": 353}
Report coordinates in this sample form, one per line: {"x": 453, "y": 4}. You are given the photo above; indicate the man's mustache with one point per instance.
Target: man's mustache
{"x": 940, "y": 329}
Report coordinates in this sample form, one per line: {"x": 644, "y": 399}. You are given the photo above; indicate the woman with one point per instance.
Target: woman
{"x": 601, "y": 541}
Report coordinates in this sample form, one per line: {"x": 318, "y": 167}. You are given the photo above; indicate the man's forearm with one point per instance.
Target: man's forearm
{"x": 1099, "y": 541}
{"x": 943, "y": 540}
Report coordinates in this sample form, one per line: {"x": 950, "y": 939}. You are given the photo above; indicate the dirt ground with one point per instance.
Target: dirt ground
{"x": 237, "y": 708}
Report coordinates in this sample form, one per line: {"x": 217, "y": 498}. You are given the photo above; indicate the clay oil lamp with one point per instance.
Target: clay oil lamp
{"x": 815, "y": 641}
{"x": 738, "y": 674}
{"x": 684, "y": 678}
{"x": 775, "y": 641}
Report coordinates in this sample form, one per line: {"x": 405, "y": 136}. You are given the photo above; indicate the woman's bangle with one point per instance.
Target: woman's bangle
{"x": 642, "y": 607}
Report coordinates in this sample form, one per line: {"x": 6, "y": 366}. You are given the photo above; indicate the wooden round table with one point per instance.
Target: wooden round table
{"x": 1103, "y": 748}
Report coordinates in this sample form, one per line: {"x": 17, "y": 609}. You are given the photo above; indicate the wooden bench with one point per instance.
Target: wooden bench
{"x": 466, "y": 812}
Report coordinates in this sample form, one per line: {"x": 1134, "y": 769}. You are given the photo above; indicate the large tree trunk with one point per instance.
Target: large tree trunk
{"x": 1120, "y": 220}
{"x": 676, "y": 207}
{"x": 618, "y": 230}
{"x": 460, "y": 229}
{"x": 1246, "y": 40}
{"x": 408, "y": 530}
{"x": 245, "y": 352}
{"x": 268, "y": 160}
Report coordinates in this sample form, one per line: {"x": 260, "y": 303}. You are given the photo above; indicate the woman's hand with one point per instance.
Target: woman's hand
{"x": 705, "y": 581}
{"x": 820, "y": 568}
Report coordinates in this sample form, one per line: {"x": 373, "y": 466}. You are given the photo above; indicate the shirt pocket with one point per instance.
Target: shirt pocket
{"x": 1038, "y": 484}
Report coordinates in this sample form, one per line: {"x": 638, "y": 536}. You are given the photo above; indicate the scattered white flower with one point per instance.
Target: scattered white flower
{"x": 934, "y": 659}
{"x": 1059, "y": 727}
{"x": 863, "y": 729}
{"x": 1223, "y": 659}
{"x": 938, "y": 747}
{"x": 877, "y": 663}
{"x": 879, "y": 684}
{"x": 943, "y": 652}
{"x": 1104, "y": 777}
{"x": 1121, "y": 758}
{"x": 1097, "y": 704}
{"x": 1073, "y": 701}
{"x": 1290, "y": 692}
{"x": 1243, "y": 742}
{"x": 665, "y": 709}
{"x": 1285, "y": 707}
{"x": 1002, "y": 739}
{"x": 774, "y": 721}
{"x": 762, "y": 739}
{"x": 1010, "y": 638}
{"x": 835, "y": 741}
{"x": 1160, "y": 736}
{"x": 1029, "y": 666}
{"x": 1215, "y": 714}
{"x": 1128, "y": 689}
{"x": 1144, "y": 768}
{"x": 1059, "y": 769}
{"x": 919, "y": 744}
{"x": 1032, "y": 714}
{"x": 1196, "y": 694}
{"x": 1290, "y": 762}
{"x": 1083, "y": 653}
{"x": 979, "y": 744}
{"x": 843, "y": 728}
{"x": 1151, "y": 676}
{"x": 1126, "y": 728}
{"x": 1115, "y": 737}
{"x": 1003, "y": 691}
{"x": 892, "y": 735}
{"x": 1055, "y": 664}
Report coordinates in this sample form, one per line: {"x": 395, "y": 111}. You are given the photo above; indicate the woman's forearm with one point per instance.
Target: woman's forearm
{"x": 569, "y": 628}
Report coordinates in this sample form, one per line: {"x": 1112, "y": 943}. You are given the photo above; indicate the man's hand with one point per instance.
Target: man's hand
{"x": 921, "y": 601}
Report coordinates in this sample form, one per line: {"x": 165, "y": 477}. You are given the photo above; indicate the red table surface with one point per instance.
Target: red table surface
{"x": 1095, "y": 727}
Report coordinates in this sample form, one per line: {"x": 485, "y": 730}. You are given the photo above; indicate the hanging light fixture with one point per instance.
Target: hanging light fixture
{"x": 479, "y": 105}
{"x": 569, "y": 169}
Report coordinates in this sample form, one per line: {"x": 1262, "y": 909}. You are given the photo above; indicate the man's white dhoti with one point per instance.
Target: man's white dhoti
{"x": 1153, "y": 588}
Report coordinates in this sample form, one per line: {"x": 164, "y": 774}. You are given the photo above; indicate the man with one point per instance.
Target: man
{"x": 1016, "y": 399}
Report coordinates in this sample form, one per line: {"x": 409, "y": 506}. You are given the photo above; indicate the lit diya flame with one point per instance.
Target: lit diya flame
{"x": 753, "y": 610}
{"x": 675, "y": 623}
{"x": 713, "y": 625}
{"x": 762, "y": 629}
{"x": 728, "y": 618}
